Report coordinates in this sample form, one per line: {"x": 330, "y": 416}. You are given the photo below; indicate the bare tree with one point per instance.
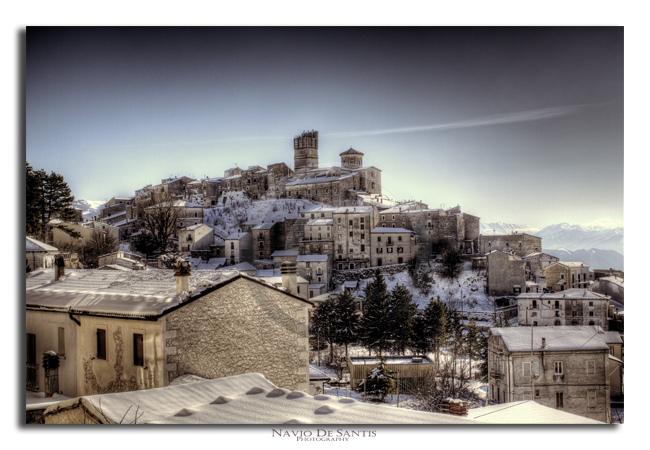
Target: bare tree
{"x": 99, "y": 243}
{"x": 427, "y": 393}
{"x": 159, "y": 215}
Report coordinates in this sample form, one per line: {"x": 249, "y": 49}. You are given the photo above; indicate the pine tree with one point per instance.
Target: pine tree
{"x": 376, "y": 320}
{"x": 483, "y": 366}
{"x": 33, "y": 200}
{"x": 378, "y": 383}
{"x": 402, "y": 312}
{"x": 436, "y": 317}
{"x": 58, "y": 199}
{"x": 421, "y": 336}
{"x": 346, "y": 321}
{"x": 324, "y": 322}
{"x": 472, "y": 343}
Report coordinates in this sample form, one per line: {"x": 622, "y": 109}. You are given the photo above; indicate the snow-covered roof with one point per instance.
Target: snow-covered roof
{"x": 350, "y": 284}
{"x": 242, "y": 267}
{"x": 285, "y": 253}
{"x": 614, "y": 280}
{"x": 217, "y": 261}
{"x": 33, "y": 245}
{"x": 351, "y": 151}
{"x": 319, "y": 222}
{"x": 312, "y": 258}
{"x": 248, "y": 399}
{"x": 196, "y": 226}
{"x": 316, "y": 286}
{"x": 571, "y": 294}
{"x": 316, "y": 374}
{"x": 361, "y": 360}
{"x": 265, "y": 273}
{"x": 391, "y": 230}
{"x": 526, "y": 412}
{"x": 237, "y": 236}
{"x": 264, "y": 226}
{"x": 317, "y": 180}
{"x": 186, "y": 204}
{"x": 517, "y": 339}
{"x": 611, "y": 337}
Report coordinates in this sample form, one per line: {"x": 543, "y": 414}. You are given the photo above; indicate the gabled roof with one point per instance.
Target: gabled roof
{"x": 33, "y": 245}
{"x": 285, "y": 253}
{"x": 140, "y": 294}
{"x": 569, "y": 294}
{"x": 558, "y": 338}
{"x": 351, "y": 151}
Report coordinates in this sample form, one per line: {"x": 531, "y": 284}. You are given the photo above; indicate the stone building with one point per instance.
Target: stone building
{"x": 195, "y": 237}
{"x": 391, "y": 246}
{"x": 125, "y": 331}
{"x": 575, "y": 307}
{"x": 173, "y": 186}
{"x": 521, "y": 244}
{"x": 239, "y": 248}
{"x": 317, "y": 269}
{"x": 280, "y": 256}
{"x": 432, "y": 225}
{"x": 505, "y": 273}
{"x": 566, "y": 275}
{"x": 611, "y": 286}
{"x": 567, "y": 368}
{"x": 537, "y": 262}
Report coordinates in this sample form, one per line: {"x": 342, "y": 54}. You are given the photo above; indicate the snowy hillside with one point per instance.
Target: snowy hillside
{"x": 239, "y": 209}
{"x": 466, "y": 293}
{"x": 596, "y": 258}
{"x": 89, "y": 207}
{"x": 575, "y": 237}
{"x": 505, "y": 228}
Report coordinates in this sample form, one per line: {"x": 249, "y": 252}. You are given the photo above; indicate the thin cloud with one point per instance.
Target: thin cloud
{"x": 496, "y": 119}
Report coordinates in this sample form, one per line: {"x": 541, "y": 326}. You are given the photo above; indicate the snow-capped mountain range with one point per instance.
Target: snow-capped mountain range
{"x": 600, "y": 247}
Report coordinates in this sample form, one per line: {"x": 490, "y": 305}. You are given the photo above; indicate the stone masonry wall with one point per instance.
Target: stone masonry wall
{"x": 242, "y": 327}
{"x": 340, "y": 276}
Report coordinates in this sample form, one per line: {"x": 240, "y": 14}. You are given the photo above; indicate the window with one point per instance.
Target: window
{"x": 378, "y": 238}
{"x": 362, "y": 221}
{"x": 536, "y": 392}
{"x": 31, "y": 348}
{"x": 559, "y": 399}
{"x": 362, "y": 226}
{"x": 591, "y": 304}
{"x": 389, "y": 250}
{"x": 400, "y": 260}
{"x": 399, "y": 238}
{"x": 101, "y": 344}
{"x": 574, "y": 313}
{"x": 591, "y": 367}
{"x": 138, "y": 350}
{"x": 320, "y": 279}
{"x": 534, "y": 304}
{"x": 611, "y": 351}
{"x": 61, "y": 348}
{"x": 591, "y": 399}
{"x": 363, "y": 248}
{"x": 557, "y": 304}
{"x": 232, "y": 246}
{"x": 379, "y": 261}
{"x": 558, "y": 368}
{"x": 350, "y": 233}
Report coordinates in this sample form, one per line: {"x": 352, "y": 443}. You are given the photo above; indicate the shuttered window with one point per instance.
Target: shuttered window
{"x": 101, "y": 344}
{"x": 61, "y": 341}
{"x": 138, "y": 351}
{"x": 31, "y": 348}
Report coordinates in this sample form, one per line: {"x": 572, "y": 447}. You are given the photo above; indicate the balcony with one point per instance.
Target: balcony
{"x": 495, "y": 375}
{"x": 390, "y": 243}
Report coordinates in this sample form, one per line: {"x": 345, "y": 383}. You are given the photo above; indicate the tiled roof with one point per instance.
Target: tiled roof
{"x": 558, "y": 338}
{"x": 351, "y": 151}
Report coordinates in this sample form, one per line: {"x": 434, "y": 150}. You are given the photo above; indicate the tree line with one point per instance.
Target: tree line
{"x": 390, "y": 323}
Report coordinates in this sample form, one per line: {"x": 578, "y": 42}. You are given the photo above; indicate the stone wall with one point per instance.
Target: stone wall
{"x": 242, "y": 327}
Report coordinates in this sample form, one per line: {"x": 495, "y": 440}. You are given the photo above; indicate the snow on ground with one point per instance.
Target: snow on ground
{"x": 466, "y": 293}
{"x": 239, "y": 209}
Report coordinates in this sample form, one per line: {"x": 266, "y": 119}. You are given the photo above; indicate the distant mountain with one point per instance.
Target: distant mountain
{"x": 575, "y": 237}
{"x": 90, "y": 208}
{"x": 505, "y": 228}
{"x": 596, "y": 258}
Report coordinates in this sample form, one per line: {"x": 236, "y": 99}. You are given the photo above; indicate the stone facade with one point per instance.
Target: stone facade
{"x": 505, "y": 274}
{"x": 566, "y": 275}
{"x": 521, "y": 244}
{"x": 317, "y": 269}
{"x": 195, "y": 237}
{"x": 536, "y": 263}
{"x": 391, "y": 246}
{"x": 573, "y": 380}
{"x": 575, "y": 307}
{"x": 242, "y": 327}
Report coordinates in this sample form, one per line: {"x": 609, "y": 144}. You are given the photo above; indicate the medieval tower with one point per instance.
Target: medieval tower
{"x": 305, "y": 149}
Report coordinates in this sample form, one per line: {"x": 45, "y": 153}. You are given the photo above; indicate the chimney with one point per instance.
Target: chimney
{"x": 289, "y": 277}
{"x": 543, "y": 342}
{"x": 59, "y": 267}
{"x": 182, "y": 274}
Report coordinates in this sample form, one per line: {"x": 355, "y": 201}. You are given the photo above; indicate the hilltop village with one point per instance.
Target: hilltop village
{"x": 222, "y": 282}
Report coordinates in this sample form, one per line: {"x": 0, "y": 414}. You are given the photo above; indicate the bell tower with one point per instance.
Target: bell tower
{"x": 305, "y": 148}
